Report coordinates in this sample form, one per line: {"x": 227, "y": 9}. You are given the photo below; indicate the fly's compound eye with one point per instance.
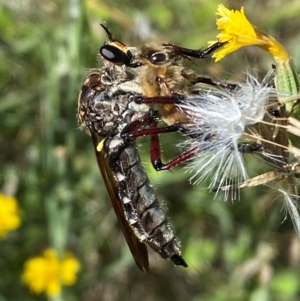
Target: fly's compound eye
{"x": 115, "y": 55}
{"x": 158, "y": 58}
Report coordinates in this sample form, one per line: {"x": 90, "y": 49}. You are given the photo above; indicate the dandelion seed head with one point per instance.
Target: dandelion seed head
{"x": 219, "y": 118}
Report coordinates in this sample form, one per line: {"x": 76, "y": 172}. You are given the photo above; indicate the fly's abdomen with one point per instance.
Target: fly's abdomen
{"x": 141, "y": 206}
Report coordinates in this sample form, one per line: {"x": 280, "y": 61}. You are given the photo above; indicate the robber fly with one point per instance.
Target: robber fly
{"x": 166, "y": 84}
{"x": 176, "y": 92}
{"x": 105, "y": 107}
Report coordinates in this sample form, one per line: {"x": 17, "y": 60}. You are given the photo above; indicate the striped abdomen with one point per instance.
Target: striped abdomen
{"x": 142, "y": 209}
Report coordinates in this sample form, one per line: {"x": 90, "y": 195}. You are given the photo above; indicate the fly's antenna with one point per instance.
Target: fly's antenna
{"x": 109, "y": 34}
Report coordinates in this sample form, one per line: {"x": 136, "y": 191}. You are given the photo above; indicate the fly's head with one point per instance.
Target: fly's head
{"x": 116, "y": 52}
{"x": 159, "y": 67}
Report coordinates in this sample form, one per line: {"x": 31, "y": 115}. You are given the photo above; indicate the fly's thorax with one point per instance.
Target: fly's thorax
{"x": 105, "y": 97}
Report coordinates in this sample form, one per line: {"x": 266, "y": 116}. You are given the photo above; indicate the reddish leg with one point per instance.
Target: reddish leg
{"x": 158, "y": 165}
{"x": 155, "y": 153}
{"x": 137, "y": 128}
{"x": 133, "y": 131}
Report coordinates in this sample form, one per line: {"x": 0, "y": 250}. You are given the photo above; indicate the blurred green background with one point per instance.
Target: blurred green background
{"x": 241, "y": 251}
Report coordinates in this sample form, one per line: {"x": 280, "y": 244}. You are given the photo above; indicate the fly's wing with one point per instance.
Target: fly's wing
{"x": 138, "y": 249}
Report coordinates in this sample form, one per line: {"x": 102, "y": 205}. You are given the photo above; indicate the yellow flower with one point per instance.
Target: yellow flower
{"x": 237, "y": 31}
{"x": 9, "y": 214}
{"x": 47, "y": 273}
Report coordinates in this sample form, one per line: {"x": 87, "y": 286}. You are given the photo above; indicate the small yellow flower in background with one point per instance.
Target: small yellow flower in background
{"x": 47, "y": 273}
{"x": 237, "y": 31}
{"x": 69, "y": 268}
{"x": 9, "y": 214}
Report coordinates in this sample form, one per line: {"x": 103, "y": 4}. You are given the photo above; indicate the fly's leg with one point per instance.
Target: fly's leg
{"x": 147, "y": 125}
{"x": 249, "y": 147}
{"x": 137, "y": 129}
{"x": 222, "y": 84}
{"x": 199, "y": 53}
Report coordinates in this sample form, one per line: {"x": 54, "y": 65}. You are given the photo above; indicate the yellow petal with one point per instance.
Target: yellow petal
{"x": 9, "y": 214}
{"x": 238, "y": 32}
{"x": 69, "y": 269}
